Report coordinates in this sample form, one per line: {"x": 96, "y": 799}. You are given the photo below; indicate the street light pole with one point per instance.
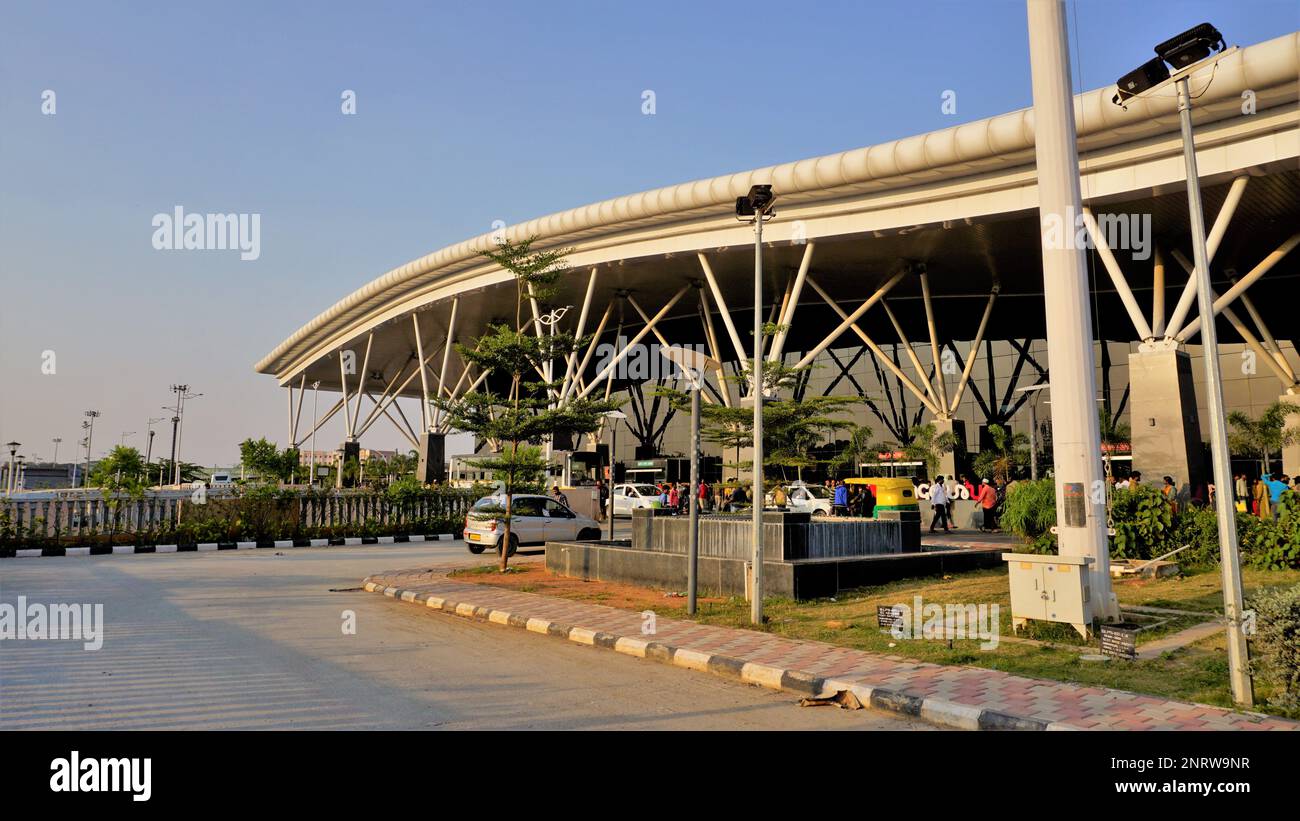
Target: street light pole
{"x": 315, "y": 394}
{"x": 1238, "y": 660}
{"x": 91, "y": 415}
{"x": 756, "y": 601}
{"x": 613, "y": 416}
{"x": 1076, "y": 439}
{"x": 694, "y": 365}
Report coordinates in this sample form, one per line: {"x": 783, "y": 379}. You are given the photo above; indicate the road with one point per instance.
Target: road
{"x": 254, "y": 640}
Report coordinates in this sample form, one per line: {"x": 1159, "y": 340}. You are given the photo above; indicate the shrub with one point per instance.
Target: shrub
{"x": 1144, "y": 523}
{"x": 1276, "y": 645}
{"x": 1030, "y": 512}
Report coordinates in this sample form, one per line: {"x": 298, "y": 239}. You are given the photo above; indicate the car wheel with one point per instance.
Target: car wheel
{"x": 514, "y": 545}
{"x": 475, "y": 548}
{"x": 588, "y": 534}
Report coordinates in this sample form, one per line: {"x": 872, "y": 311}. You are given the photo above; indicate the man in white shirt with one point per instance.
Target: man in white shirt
{"x": 939, "y": 501}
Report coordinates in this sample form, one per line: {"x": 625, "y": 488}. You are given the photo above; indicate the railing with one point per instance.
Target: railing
{"x": 74, "y": 516}
{"x": 786, "y": 537}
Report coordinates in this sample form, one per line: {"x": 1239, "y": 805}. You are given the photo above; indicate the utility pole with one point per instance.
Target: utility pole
{"x": 91, "y": 416}
{"x": 1230, "y": 561}
{"x": 1076, "y": 439}
{"x": 315, "y": 393}
{"x": 179, "y": 390}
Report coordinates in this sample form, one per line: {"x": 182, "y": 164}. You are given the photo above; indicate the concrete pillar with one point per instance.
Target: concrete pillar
{"x": 1162, "y": 415}
{"x": 948, "y": 461}
{"x": 1291, "y": 453}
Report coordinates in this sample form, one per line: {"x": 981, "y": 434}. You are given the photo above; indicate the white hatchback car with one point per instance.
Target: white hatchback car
{"x": 813, "y": 499}
{"x": 534, "y": 520}
{"x": 627, "y": 498}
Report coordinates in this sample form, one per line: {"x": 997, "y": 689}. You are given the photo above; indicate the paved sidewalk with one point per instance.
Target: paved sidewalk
{"x": 961, "y": 697}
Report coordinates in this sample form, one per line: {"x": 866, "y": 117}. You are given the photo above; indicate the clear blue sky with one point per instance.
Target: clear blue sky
{"x": 466, "y": 113}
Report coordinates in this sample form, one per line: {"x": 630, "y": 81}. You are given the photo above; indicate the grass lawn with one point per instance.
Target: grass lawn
{"x": 1197, "y": 672}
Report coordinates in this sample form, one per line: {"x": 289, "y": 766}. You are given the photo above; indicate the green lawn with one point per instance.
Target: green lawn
{"x": 1197, "y": 672}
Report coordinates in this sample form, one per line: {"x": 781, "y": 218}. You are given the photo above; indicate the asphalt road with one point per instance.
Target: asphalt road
{"x": 254, "y": 640}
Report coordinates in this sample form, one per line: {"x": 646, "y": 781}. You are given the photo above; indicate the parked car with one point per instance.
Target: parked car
{"x": 813, "y": 499}
{"x": 534, "y": 520}
{"x": 627, "y": 498}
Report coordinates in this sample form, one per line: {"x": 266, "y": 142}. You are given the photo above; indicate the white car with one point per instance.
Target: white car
{"x": 627, "y": 498}
{"x": 534, "y": 520}
{"x": 813, "y": 499}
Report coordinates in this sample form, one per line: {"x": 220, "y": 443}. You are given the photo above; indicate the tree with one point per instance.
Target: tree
{"x": 1261, "y": 438}
{"x": 527, "y": 412}
{"x": 121, "y": 469}
{"x": 855, "y": 451}
{"x": 1113, "y": 432}
{"x": 1010, "y": 452}
{"x": 267, "y": 461}
{"x": 928, "y": 445}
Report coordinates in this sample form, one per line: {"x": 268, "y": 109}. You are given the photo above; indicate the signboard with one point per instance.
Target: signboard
{"x": 889, "y": 617}
{"x": 1076, "y": 504}
{"x": 1119, "y": 640}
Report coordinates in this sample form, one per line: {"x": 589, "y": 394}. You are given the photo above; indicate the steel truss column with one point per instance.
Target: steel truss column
{"x": 1116, "y": 275}
{"x": 911, "y": 352}
{"x": 622, "y": 354}
{"x": 875, "y": 349}
{"x": 1265, "y": 265}
{"x": 724, "y": 312}
{"x": 849, "y": 320}
{"x": 446, "y": 354}
{"x": 974, "y": 349}
{"x": 424, "y": 378}
{"x": 1221, "y": 221}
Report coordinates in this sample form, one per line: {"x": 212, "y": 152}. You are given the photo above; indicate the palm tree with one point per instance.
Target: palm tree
{"x": 1261, "y": 438}
{"x": 1010, "y": 450}
{"x": 928, "y": 445}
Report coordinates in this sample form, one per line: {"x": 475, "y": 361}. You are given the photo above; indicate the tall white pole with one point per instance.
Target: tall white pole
{"x": 692, "y": 571}
{"x": 311, "y": 460}
{"x": 756, "y": 601}
{"x": 1076, "y": 440}
{"x": 1238, "y": 662}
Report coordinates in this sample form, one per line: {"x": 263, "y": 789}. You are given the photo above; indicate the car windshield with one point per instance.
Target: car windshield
{"x": 818, "y": 492}
{"x": 646, "y": 490}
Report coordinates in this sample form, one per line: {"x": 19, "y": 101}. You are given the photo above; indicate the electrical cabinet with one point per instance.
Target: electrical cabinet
{"x": 1049, "y": 588}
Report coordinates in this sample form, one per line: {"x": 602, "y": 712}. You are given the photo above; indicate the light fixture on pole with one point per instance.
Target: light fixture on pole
{"x": 613, "y": 416}
{"x": 756, "y": 208}
{"x": 89, "y": 425}
{"x": 13, "y": 451}
{"x": 18, "y": 480}
{"x": 56, "y": 440}
{"x": 694, "y": 365}
{"x": 311, "y": 460}
{"x": 1185, "y": 53}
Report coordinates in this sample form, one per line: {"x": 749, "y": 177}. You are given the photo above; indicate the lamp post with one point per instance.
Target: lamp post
{"x": 18, "y": 480}
{"x": 1185, "y": 54}
{"x": 56, "y": 440}
{"x": 1036, "y": 390}
{"x": 89, "y": 425}
{"x": 613, "y": 416}
{"x": 694, "y": 365}
{"x": 315, "y": 393}
{"x": 13, "y": 452}
{"x": 756, "y": 207}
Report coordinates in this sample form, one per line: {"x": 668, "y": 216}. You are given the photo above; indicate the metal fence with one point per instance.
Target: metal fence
{"x": 81, "y": 515}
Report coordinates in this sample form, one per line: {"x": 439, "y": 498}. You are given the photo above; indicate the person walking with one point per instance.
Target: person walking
{"x": 840, "y": 499}
{"x": 939, "y": 501}
{"x": 702, "y": 493}
{"x": 988, "y": 501}
{"x": 1259, "y": 499}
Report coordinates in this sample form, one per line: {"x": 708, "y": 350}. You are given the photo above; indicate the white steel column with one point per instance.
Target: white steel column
{"x": 1081, "y": 523}
{"x": 621, "y": 355}
{"x": 778, "y": 345}
{"x": 974, "y": 349}
{"x": 1245, "y": 282}
{"x": 1158, "y": 294}
{"x": 724, "y": 312}
{"x": 1116, "y": 276}
{"x": 714, "y": 351}
{"x": 934, "y": 341}
{"x": 911, "y": 352}
{"x": 424, "y": 378}
{"x": 446, "y": 354}
{"x": 1221, "y": 221}
{"x": 849, "y": 320}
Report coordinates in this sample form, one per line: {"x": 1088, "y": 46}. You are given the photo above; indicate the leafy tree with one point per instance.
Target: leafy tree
{"x": 121, "y": 469}
{"x": 267, "y": 461}
{"x": 165, "y": 468}
{"x": 1009, "y": 453}
{"x": 526, "y": 412}
{"x": 1113, "y": 432}
{"x": 928, "y": 445}
{"x": 858, "y": 449}
{"x": 1261, "y": 438}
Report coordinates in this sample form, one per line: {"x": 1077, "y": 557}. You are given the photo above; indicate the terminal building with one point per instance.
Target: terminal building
{"x": 907, "y": 273}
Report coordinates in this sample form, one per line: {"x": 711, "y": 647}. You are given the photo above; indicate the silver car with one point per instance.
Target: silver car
{"x": 534, "y": 520}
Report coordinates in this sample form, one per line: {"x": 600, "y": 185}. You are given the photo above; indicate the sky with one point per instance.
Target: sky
{"x": 465, "y": 113}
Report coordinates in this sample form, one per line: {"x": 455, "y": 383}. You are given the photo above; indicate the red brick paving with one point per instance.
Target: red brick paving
{"x": 1083, "y": 707}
